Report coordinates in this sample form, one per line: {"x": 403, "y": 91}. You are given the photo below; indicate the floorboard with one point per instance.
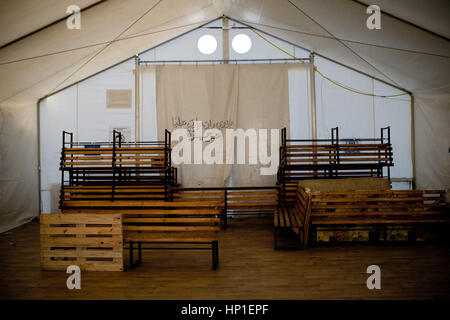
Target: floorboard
{"x": 249, "y": 269}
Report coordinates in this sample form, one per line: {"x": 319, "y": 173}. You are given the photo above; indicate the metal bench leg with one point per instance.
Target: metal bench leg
{"x": 140, "y": 252}
{"x": 215, "y": 254}
{"x": 275, "y": 238}
{"x": 300, "y": 239}
{"x": 131, "y": 255}
{"x": 132, "y": 263}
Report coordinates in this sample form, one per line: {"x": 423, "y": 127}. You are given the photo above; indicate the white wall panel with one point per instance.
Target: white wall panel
{"x": 57, "y": 113}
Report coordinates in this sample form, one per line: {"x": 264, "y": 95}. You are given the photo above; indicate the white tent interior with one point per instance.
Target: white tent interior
{"x": 52, "y": 77}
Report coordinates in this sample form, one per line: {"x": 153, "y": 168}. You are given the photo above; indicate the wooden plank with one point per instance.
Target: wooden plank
{"x": 148, "y": 212}
{"x": 276, "y": 218}
{"x": 171, "y": 220}
{"x": 85, "y": 253}
{"x": 81, "y": 230}
{"x": 338, "y": 214}
{"x": 80, "y": 218}
{"x": 142, "y": 203}
{"x": 377, "y": 221}
{"x": 51, "y": 265}
{"x": 47, "y": 241}
{"x": 171, "y": 228}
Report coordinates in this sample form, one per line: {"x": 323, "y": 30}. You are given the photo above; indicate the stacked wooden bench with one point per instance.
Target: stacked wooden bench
{"x": 378, "y": 209}
{"x": 97, "y": 169}
{"x": 332, "y": 158}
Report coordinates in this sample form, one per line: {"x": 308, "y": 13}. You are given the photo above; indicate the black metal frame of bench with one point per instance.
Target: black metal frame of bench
{"x": 334, "y": 168}
{"x": 116, "y": 175}
{"x": 214, "y": 250}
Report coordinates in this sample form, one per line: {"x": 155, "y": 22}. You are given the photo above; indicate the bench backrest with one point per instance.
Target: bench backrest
{"x": 376, "y": 203}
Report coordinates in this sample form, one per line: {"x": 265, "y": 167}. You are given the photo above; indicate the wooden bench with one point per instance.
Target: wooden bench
{"x": 172, "y": 228}
{"x": 239, "y": 200}
{"x": 376, "y": 208}
{"x": 333, "y": 158}
{"x": 293, "y": 218}
{"x": 158, "y": 222}
{"x": 116, "y": 170}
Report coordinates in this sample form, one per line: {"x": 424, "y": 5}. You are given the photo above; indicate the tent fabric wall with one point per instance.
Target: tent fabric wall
{"x": 242, "y": 94}
{"x": 19, "y": 197}
{"x": 56, "y": 57}
{"x": 263, "y": 103}
{"x": 432, "y": 141}
{"x": 362, "y": 116}
{"x": 80, "y": 109}
{"x": 197, "y": 93}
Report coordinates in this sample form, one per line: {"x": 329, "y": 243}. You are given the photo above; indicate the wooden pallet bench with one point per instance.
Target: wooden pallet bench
{"x": 93, "y": 242}
{"x": 377, "y": 208}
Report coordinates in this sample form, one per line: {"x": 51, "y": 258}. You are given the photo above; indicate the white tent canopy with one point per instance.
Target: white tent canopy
{"x": 39, "y": 56}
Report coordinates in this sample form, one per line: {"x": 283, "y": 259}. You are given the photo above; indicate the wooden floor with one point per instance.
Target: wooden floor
{"x": 249, "y": 269}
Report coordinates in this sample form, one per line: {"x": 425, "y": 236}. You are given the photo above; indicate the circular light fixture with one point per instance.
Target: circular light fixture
{"x": 241, "y": 43}
{"x": 207, "y": 44}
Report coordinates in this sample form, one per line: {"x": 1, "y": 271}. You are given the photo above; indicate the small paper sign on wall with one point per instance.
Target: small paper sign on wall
{"x": 118, "y": 99}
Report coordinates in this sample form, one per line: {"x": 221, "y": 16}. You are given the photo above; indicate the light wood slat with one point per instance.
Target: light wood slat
{"x": 328, "y": 155}
{"x": 116, "y": 191}
{"x": 170, "y": 228}
{"x": 276, "y": 214}
{"x": 148, "y": 212}
{"x": 84, "y": 266}
{"x": 143, "y": 203}
{"x": 373, "y": 213}
{"x": 116, "y": 187}
{"x": 52, "y": 218}
{"x": 171, "y": 220}
{"x": 378, "y": 221}
{"x": 99, "y": 152}
{"x": 292, "y": 161}
{"x": 116, "y": 196}
{"x": 81, "y": 230}
{"x": 144, "y": 238}
{"x": 378, "y": 206}
{"x": 138, "y": 162}
{"x": 48, "y": 241}
{"x": 98, "y": 253}
{"x": 358, "y": 199}
{"x": 118, "y": 149}
{"x": 287, "y": 219}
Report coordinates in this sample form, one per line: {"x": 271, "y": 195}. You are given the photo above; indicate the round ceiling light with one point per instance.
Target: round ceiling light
{"x": 241, "y": 43}
{"x": 207, "y": 44}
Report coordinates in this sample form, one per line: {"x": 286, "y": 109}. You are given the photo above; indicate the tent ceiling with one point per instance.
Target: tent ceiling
{"x": 390, "y": 54}
{"x": 431, "y": 15}
{"x": 115, "y": 30}
{"x": 19, "y": 17}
